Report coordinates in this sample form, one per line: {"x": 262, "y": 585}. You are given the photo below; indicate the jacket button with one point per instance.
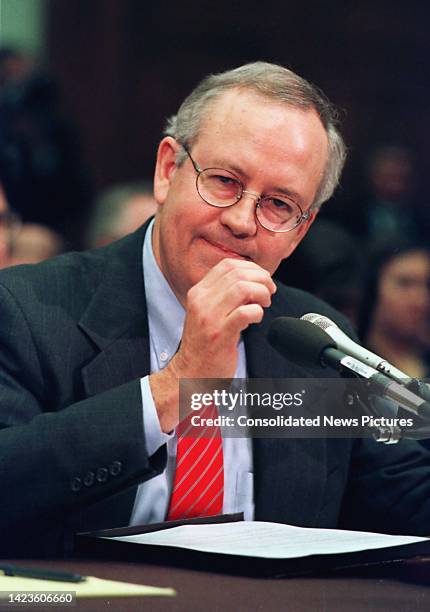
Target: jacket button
{"x": 102, "y": 474}
{"x": 89, "y": 479}
{"x": 76, "y": 484}
{"x": 115, "y": 468}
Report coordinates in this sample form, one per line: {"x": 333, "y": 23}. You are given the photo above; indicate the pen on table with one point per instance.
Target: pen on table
{"x": 40, "y": 573}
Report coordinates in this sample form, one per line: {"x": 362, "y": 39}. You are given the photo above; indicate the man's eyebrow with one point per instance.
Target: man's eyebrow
{"x": 289, "y": 193}
{"x": 224, "y": 164}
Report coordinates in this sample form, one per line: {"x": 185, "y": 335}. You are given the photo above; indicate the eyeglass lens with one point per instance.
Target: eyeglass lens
{"x": 221, "y": 188}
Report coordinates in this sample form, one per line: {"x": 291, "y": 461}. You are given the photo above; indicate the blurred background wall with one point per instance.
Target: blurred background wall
{"x": 124, "y": 65}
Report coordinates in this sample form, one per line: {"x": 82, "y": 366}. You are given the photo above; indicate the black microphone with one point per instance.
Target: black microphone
{"x": 300, "y": 341}
{"x": 346, "y": 344}
{"x": 306, "y": 344}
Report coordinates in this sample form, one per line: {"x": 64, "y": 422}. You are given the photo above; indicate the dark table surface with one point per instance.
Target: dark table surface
{"x": 401, "y": 586}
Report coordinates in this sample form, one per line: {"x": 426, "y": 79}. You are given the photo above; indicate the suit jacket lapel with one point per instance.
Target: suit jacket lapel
{"x": 116, "y": 322}
{"x": 116, "y": 319}
{"x": 289, "y": 473}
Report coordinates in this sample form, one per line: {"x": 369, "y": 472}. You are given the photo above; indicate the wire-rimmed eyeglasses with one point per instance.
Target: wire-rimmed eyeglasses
{"x": 221, "y": 188}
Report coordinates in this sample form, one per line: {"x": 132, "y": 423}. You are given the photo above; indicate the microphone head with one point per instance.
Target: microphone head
{"x": 342, "y": 341}
{"x": 300, "y": 341}
{"x": 320, "y": 320}
{"x": 345, "y": 344}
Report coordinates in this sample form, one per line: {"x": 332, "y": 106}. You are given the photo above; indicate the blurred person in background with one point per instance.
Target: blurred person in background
{"x": 386, "y": 202}
{"x": 42, "y": 169}
{"x": 389, "y": 206}
{"x": 34, "y": 243}
{"x": 330, "y": 265}
{"x": 15, "y": 66}
{"x": 395, "y": 311}
{"x": 4, "y": 231}
{"x": 9, "y": 226}
{"x": 120, "y": 210}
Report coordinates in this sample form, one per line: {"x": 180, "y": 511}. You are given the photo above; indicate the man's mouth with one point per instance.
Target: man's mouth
{"x": 228, "y": 251}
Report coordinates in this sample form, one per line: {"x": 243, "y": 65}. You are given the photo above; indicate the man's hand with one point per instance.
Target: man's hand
{"x": 230, "y": 297}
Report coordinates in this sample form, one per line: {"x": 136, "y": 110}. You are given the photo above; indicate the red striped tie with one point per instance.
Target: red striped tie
{"x": 199, "y": 478}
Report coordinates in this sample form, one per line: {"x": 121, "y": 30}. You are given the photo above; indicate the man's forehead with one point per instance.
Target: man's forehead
{"x": 232, "y": 103}
{"x": 243, "y": 122}
{"x": 240, "y": 111}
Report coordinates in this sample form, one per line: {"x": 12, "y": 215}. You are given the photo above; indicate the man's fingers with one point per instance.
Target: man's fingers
{"x": 229, "y": 271}
{"x": 245, "y": 292}
{"x": 243, "y": 316}
{"x": 219, "y": 302}
{"x": 226, "y": 301}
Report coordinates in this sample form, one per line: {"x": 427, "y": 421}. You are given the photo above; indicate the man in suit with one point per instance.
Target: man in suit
{"x": 93, "y": 345}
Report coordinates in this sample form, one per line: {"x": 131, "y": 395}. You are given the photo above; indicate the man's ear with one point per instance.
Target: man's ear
{"x": 165, "y": 168}
{"x": 301, "y": 232}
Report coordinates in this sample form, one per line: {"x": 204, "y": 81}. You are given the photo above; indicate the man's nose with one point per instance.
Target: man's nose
{"x": 240, "y": 217}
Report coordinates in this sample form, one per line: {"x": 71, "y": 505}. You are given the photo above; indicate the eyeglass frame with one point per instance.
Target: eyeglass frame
{"x": 304, "y": 216}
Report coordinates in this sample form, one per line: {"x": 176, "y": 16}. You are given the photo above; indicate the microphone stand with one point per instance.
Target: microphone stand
{"x": 389, "y": 434}
{"x": 385, "y": 434}
{"x": 419, "y": 387}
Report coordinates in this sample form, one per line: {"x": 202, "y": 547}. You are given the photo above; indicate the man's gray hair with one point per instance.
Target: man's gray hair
{"x": 273, "y": 82}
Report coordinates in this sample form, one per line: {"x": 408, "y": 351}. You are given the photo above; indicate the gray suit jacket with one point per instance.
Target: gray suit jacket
{"x": 73, "y": 346}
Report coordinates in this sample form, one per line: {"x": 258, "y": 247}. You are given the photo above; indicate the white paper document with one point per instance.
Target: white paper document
{"x": 268, "y": 540}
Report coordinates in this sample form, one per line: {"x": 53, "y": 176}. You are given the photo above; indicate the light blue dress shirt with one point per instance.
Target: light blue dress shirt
{"x": 166, "y": 320}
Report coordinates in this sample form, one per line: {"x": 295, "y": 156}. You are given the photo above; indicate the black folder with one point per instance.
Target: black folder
{"x": 97, "y": 544}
